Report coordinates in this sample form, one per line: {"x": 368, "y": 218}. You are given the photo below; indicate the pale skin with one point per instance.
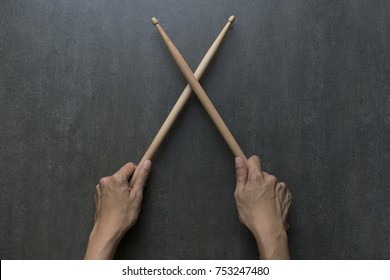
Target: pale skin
{"x": 117, "y": 209}
{"x": 262, "y": 205}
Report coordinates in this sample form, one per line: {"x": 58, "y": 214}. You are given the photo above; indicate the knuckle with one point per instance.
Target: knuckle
{"x": 238, "y": 195}
{"x": 117, "y": 177}
{"x": 104, "y": 181}
{"x": 272, "y": 179}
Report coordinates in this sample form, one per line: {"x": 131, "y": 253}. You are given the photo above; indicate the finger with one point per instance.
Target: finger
{"x": 124, "y": 173}
{"x": 270, "y": 179}
{"x": 96, "y": 194}
{"x": 284, "y": 200}
{"x": 254, "y": 164}
{"x": 285, "y": 218}
{"x": 104, "y": 182}
{"x": 97, "y": 204}
{"x": 287, "y": 197}
{"x": 98, "y": 189}
{"x": 286, "y": 204}
{"x": 142, "y": 176}
{"x": 254, "y": 169}
{"x": 241, "y": 173}
{"x": 288, "y": 201}
{"x": 255, "y": 161}
{"x": 283, "y": 194}
{"x": 281, "y": 190}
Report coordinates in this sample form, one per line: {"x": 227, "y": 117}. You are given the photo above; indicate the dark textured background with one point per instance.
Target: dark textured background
{"x": 85, "y": 85}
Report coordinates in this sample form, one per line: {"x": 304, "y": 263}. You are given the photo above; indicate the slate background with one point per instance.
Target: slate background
{"x": 85, "y": 85}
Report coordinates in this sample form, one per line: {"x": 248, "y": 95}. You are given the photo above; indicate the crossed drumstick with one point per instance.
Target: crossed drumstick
{"x": 193, "y": 84}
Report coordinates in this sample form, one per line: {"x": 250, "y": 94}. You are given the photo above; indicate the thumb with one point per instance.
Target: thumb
{"x": 241, "y": 173}
{"x": 142, "y": 175}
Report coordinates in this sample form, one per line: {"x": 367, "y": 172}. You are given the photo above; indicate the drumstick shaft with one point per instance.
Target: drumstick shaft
{"x": 199, "y": 91}
{"x": 166, "y": 126}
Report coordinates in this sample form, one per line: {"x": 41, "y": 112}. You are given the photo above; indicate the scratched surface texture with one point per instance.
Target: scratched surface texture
{"x": 85, "y": 86}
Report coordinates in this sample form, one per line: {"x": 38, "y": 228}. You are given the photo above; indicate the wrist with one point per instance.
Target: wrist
{"x": 102, "y": 242}
{"x": 272, "y": 245}
{"x": 107, "y": 232}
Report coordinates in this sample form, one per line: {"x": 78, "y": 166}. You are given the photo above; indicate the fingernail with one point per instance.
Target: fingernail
{"x": 238, "y": 162}
{"x": 147, "y": 164}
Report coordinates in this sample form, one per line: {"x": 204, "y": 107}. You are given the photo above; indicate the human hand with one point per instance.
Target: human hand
{"x": 117, "y": 209}
{"x": 263, "y": 204}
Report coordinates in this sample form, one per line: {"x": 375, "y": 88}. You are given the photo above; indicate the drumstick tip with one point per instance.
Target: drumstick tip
{"x": 154, "y": 20}
{"x": 232, "y": 18}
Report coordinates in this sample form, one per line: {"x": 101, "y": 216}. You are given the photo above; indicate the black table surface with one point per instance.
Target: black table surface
{"x": 85, "y": 86}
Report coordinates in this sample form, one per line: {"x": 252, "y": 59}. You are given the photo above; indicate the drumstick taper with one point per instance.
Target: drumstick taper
{"x": 166, "y": 126}
{"x": 199, "y": 91}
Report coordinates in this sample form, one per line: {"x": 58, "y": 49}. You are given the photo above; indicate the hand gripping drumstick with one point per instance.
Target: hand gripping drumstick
{"x": 182, "y": 99}
{"x": 199, "y": 91}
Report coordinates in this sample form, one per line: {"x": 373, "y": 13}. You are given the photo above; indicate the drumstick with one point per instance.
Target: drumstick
{"x": 199, "y": 91}
{"x": 166, "y": 126}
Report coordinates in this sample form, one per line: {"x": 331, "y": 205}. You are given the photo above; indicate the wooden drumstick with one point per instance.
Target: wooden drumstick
{"x": 166, "y": 126}
{"x": 199, "y": 91}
